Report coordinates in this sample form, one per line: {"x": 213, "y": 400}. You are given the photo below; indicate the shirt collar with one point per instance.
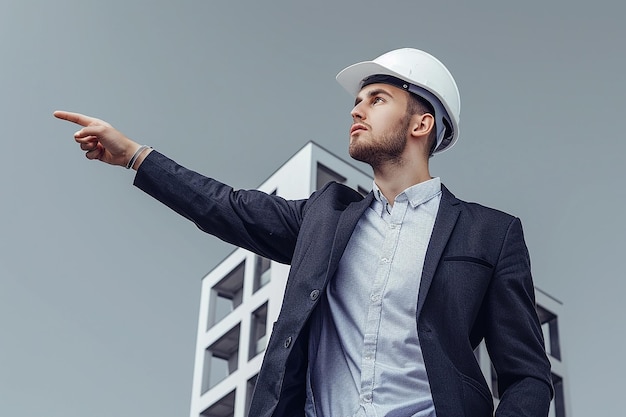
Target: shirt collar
{"x": 416, "y": 194}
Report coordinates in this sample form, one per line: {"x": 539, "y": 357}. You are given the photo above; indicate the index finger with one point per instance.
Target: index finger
{"x": 77, "y": 118}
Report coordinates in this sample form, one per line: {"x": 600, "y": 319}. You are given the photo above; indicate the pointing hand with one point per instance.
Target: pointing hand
{"x": 102, "y": 141}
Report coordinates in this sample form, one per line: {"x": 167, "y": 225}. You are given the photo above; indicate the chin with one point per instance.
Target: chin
{"x": 360, "y": 151}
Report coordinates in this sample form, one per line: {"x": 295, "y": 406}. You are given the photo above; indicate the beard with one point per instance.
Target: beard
{"x": 386, "y": 148}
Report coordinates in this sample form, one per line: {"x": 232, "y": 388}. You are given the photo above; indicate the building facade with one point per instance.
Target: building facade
{"x": 241, "y": 298}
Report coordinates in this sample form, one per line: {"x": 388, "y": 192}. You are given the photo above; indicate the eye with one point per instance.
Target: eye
{"x": 377, "y": 99}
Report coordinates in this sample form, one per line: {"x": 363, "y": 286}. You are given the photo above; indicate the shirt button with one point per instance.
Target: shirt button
{"x": 314, "y": 295}
{"x": 287, "y": 342}
{"x": 374, "y": 297}
{"x": 385, "y": 260}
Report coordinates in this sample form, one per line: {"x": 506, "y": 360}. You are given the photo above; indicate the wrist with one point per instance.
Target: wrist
{"x": 141, "y": 157}
{"x": 138, "y": 157}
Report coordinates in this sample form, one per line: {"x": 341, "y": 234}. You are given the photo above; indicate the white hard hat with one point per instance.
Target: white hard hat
{"x": 423, "y": 75}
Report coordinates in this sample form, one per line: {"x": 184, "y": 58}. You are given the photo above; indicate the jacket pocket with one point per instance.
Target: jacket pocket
{"x": 471, "y": 259}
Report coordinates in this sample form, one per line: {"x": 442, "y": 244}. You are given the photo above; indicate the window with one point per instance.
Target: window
{"x": 557, "y": 408}
{"x": 249, "y": 391}
{"x": 226, "y": 295}
{"x": 550, "y": 327}
{"x": 326, "y": 175}
{"x": 258, "y": 324}
{"x": 223, "y": 408}
{"x": 363, "y": 191}
{"x": 220, "y": 359}
{"x": 262, "y": 272}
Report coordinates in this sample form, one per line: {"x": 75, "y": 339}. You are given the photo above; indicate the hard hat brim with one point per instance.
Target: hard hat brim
{"x": 350, "y": 78}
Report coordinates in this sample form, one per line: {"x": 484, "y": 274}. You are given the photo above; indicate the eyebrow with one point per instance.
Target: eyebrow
{"x": 373, "y": 93}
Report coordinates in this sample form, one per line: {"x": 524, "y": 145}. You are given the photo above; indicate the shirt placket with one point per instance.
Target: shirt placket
{"x": 372, "y": 328}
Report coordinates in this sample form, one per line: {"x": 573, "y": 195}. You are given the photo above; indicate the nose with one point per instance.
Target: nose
{"x": 357, "y": 112}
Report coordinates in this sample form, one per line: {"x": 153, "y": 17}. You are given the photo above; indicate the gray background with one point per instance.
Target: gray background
{"x": 100, "y": 285}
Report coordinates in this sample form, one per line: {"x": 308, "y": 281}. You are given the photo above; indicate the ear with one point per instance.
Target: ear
{"x": 422, "y": 125}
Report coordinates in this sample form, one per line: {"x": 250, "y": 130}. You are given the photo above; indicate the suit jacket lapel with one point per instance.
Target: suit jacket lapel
{"x": 345, "y": 226}
{"x": 447, "y": 216}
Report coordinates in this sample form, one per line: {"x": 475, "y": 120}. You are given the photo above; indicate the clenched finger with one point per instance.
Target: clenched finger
{"x": 89, "y": 145}
{"x": 94, "y": 153}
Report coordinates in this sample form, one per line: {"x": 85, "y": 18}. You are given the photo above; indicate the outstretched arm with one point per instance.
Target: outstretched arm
{"x": 264, "y": 224}
{"x": 102, "y": 141}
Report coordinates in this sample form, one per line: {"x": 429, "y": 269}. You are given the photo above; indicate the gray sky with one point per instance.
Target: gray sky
{"x": 100, "y": 285}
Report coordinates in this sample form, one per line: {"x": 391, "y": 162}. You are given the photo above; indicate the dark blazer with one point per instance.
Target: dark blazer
{"x": 476, "y": 284}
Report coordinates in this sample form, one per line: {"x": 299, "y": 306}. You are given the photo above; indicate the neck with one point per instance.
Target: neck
{"x": 393, "y": 178}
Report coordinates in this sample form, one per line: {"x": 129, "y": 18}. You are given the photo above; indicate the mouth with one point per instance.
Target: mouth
{"x": 356, "y": 128}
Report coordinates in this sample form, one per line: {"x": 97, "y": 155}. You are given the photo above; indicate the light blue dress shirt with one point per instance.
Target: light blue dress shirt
{"x": 364, "y": 353}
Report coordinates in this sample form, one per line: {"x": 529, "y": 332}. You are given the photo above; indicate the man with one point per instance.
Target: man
{"x": 387, "y": 295}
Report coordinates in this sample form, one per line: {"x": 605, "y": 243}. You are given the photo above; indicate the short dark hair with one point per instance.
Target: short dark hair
{"x": 419, "y": 105}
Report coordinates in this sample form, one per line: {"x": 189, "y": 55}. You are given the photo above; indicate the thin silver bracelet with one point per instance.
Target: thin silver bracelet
{"x": 136, "y": 155}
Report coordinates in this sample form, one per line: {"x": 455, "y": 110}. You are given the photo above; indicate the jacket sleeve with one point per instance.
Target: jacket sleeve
{"x": 265, "y": 224}
{"x": 514, "y": 338}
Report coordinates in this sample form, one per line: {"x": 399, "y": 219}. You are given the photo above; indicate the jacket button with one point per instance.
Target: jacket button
{"x": 314, "y": 294}
{"x": 287, "y": 342}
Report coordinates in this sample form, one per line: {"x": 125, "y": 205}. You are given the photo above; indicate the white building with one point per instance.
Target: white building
{"x": 241, "y": 298}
